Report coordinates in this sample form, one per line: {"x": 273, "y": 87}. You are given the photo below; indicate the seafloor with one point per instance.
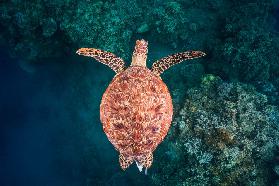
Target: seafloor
{"x": 225, "y": 129}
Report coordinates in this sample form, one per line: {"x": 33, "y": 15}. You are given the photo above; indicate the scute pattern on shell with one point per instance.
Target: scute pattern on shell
{"x": 136, "y": 111}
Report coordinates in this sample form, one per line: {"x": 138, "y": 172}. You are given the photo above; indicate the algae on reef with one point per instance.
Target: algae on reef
{"x": 225, "y": 134}
{"x": 238, "y": 36}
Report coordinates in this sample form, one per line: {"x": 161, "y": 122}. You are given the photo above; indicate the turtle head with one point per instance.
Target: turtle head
{"x": 140, "y": 53}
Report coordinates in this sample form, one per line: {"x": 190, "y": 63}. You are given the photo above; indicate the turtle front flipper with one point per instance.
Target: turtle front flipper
{"x": 163, "y": 64}
{"x": 115, "y": 63}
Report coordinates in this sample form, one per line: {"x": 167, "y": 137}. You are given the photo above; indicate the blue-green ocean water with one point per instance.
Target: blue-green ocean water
{"x": 45, "y": 139}
{"x": 50, "y": 135}
{"x": 50, "y": 132}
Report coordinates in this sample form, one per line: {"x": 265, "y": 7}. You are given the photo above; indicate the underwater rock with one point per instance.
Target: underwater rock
{"x": 182, "y": 26}
{"x": 143, "y": 28}
{"x": 223, "y": 135}
{"x": 268, "y": 89}
{"x": 248, "y": 45}
{"x": 49, "y": 27}
{"x": 241, "y": 49}
{"x": 101, "y": 24}
{"x": 276, "y": 169}
{"x": 26, "y": 29}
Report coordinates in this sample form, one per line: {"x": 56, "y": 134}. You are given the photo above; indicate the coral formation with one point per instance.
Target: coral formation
{"x": 240, "y": 48}
{"x": 225, "y": 134}
{"x": 248, "y": 43}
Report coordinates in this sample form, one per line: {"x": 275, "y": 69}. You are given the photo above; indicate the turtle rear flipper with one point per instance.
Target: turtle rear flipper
{"x": 163, "y": 64}
{"x": 144, "y": 161}
{"x": 115, "y": 63}
{"x": 125, "y": 161}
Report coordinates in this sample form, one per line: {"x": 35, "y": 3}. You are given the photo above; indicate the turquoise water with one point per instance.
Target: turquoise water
{"x": 46, "y": 138}
{"x": 225, "y": 129}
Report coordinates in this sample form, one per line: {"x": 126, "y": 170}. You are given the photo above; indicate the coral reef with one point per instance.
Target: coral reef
{"x": 68, "y": 23}
{"x": 182, "y": 24}
{"x": 248, "y": 43}
{"x": 27, "y": 30}
{"x": 225, "y": 134}
{"x": 108, "y": 26}
{"x": 238, "y": 48}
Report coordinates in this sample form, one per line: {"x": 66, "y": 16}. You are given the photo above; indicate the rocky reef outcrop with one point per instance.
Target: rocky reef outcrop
{"x": 238, "y": 35}
{"x": 225, "y": 134}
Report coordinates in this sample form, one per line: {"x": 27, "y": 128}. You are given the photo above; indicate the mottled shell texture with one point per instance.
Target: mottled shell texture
{"x": 136, "y": 111}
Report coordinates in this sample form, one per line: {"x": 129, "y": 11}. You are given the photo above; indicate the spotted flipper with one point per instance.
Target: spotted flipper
{"x": 163, "y": 64}
{"x": 115, "y": 63}
{"x": 144, "y": 160}
{"x": 125, "y": 161}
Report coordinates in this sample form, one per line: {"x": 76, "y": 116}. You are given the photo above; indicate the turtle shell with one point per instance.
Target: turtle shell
{"x": 136, "y": 111}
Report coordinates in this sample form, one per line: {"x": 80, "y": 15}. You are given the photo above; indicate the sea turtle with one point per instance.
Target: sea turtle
{"x": 136, "y": 109}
